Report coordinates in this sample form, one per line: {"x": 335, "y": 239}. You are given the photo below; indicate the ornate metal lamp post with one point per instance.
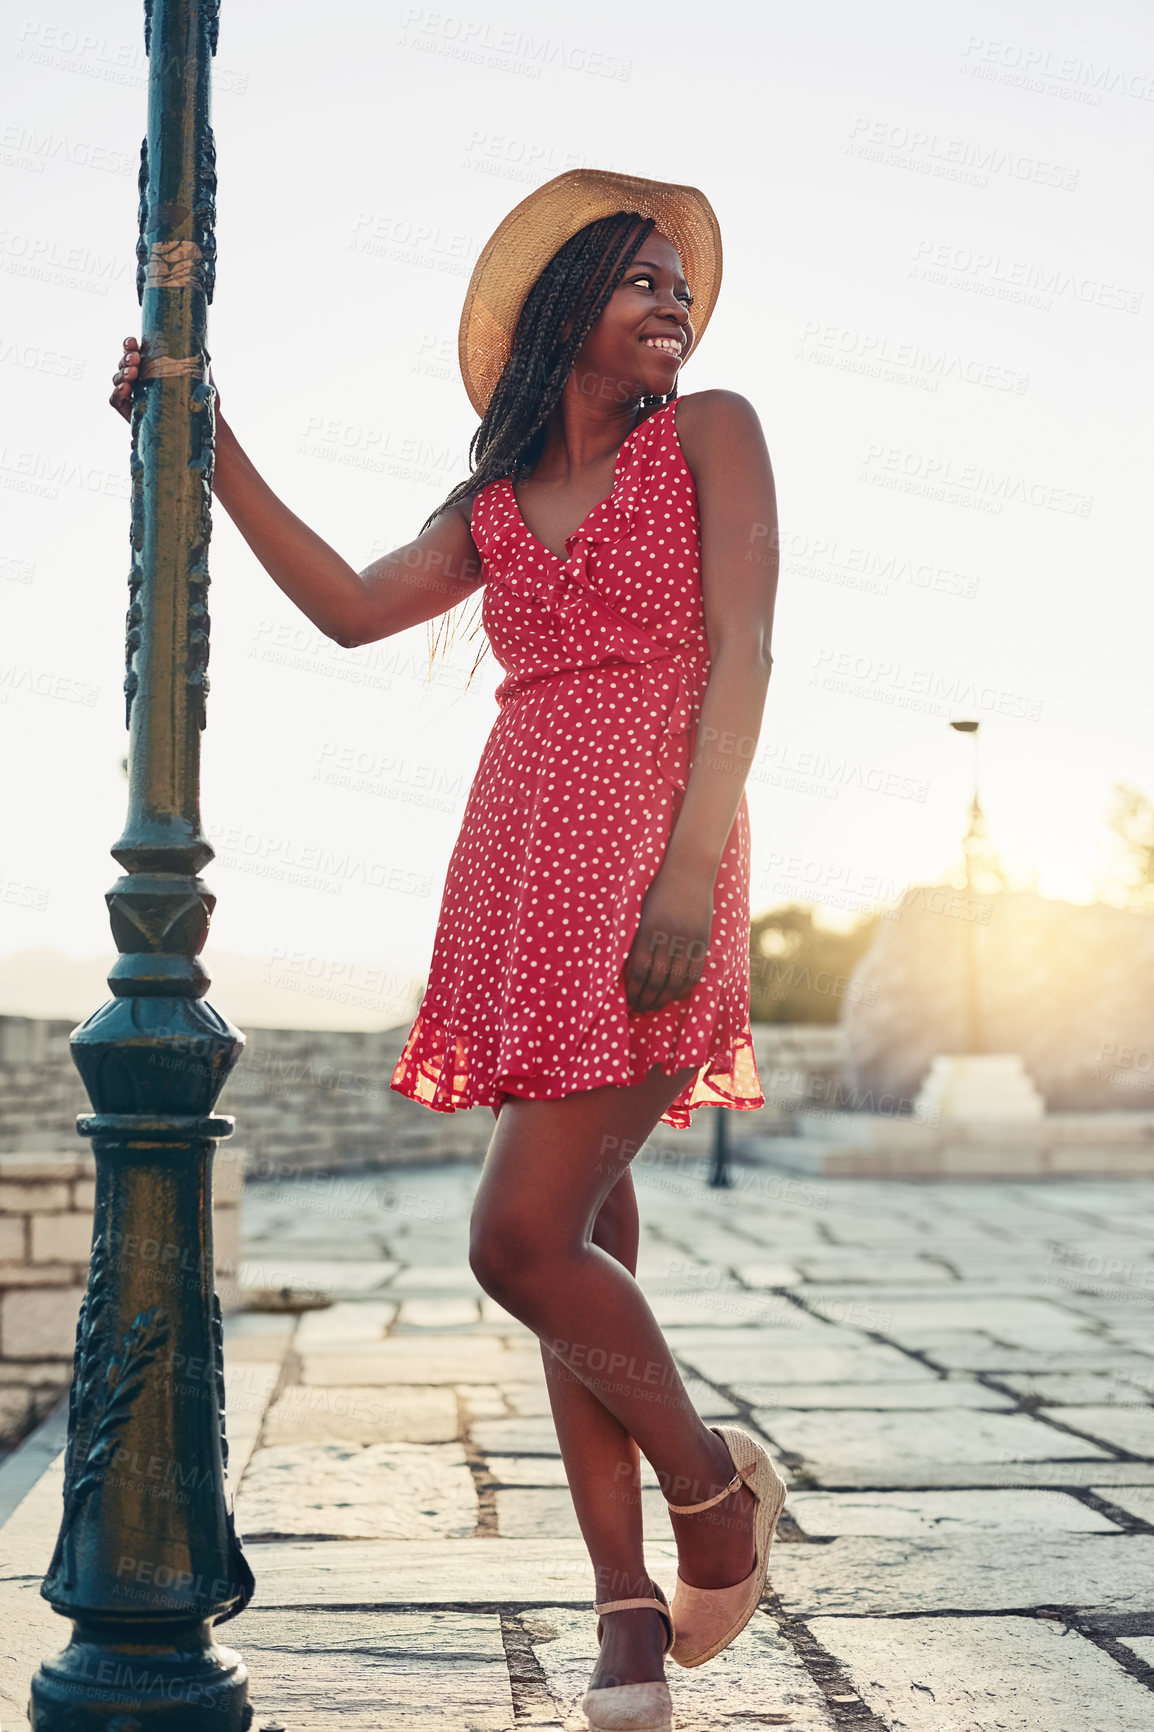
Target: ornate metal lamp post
{"x": 147, "y": 1556}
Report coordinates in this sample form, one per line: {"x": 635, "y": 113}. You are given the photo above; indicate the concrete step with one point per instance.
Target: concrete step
{"x": 880, "y": 1148}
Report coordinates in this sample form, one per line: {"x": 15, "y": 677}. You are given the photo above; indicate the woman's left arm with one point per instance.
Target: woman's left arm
{"x": 725, "y": 449}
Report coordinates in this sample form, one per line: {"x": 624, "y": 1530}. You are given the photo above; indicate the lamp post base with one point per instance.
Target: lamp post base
{"x": 177, "y": 1681}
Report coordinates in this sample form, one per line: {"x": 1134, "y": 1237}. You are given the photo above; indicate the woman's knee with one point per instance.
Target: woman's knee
{"x": 615, "y": 1229}
{"x": 509, "y": 1252}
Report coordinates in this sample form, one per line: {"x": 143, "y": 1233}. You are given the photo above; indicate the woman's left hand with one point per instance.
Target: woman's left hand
{"x": 668, "y": 951}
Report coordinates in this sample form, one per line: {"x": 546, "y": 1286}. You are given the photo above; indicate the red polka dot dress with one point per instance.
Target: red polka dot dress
{"x": 574, "y": 800}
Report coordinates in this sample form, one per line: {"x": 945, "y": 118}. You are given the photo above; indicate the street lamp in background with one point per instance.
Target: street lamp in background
{"x": 976, "y": 1084}
{"x": 969, "y": 850}
{"x": 719, "y": 1175}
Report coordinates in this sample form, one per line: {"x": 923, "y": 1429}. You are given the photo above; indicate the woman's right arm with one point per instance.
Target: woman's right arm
{"x": 412, "y": 584}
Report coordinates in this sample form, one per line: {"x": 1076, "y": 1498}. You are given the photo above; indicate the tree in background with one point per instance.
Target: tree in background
{"x": 1131, "y": 817}
{"x": 799, "y": 970}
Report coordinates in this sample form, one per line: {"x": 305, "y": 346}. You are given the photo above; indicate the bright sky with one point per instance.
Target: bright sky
{"x": 938, "y": 295}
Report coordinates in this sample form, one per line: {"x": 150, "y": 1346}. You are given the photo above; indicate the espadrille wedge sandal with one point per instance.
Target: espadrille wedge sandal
{"x": 707, "y": 1619}
{"x": 632, "y": 1707}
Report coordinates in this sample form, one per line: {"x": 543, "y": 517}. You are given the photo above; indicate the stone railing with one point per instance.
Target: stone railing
{"x": 306, "y": 1100}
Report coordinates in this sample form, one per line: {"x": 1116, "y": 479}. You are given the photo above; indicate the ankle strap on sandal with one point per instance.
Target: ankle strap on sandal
{"x": 650, "y": 1605}
{"x": 629, "y": 1605}
{"x": 735, "y": 1484}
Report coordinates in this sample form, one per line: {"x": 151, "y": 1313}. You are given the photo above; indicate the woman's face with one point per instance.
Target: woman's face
{"x": 637, "y": 345}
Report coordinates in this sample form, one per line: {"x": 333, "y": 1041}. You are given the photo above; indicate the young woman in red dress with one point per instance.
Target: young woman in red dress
{"x": 590, "y": 974}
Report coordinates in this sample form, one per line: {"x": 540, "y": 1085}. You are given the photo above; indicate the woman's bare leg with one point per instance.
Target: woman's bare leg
{"x": 550, "y": 1168}
{"x": 602, "y": 1461}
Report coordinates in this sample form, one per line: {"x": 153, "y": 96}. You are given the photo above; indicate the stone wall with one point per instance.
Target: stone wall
{"x": 1066, "y": 985}
{"x": 306, "y": 1100}
{"x": 46, "y": 1203}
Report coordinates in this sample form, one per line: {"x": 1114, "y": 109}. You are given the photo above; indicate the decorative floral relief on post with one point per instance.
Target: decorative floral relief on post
{"x": 100, "y": 1400}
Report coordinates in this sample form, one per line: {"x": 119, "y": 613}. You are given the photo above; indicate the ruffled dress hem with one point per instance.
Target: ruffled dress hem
{"x": 433, "y": 1069}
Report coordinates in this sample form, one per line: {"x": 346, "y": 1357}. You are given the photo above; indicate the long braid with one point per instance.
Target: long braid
{"x": 574, "y": 286}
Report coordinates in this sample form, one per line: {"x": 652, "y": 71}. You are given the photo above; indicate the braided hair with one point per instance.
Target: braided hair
{"x": 575, "y": 287}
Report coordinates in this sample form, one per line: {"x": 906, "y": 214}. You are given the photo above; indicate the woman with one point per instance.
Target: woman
{"x": 590, "y": 974}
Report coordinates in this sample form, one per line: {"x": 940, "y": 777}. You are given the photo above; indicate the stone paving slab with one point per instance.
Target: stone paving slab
{"x": 364, "y": 1671}
{"x": 1135, "y": 1500}
{"x": 372, "y": 1491}
{"x": 366, "y": 1413}
{"x": 809, "y": 1363}
{"x": 982, "y": 1674}
{"x": 542, "y": 1471}
{"x": 767, "y": 1274}
{"x": 727, "y": 1306}
{"x": 949, "y": 1393}
{"x": 756, "y": 1682}
{"x": 893, "y": 1439}
{"x": 960, "y": 1351}
{"x": 1143, "y": 1646}
{"x": 346, "y": 1322}
{"x": 531, "y": 1400}
{"x": 851, "y": 1267}
{"x": 1082, "y": 1389}
{"x": 539, "y": 1437}
{"x": 428, "y": 1279}
{"x": 339, "y": 1277}
{"x": 486, "y": 1571}
{"x": 442, "y": 1313}
{"x": 31, "y": 1630}
{"x": 898, "y": 1515}
{"x": 536, "y": 1513}
{"x": 450, "y": 1359}
{"x": 886, "y": 1577}
{"x": 1129, "y": 1428}
{"x": 933, "y": 1475}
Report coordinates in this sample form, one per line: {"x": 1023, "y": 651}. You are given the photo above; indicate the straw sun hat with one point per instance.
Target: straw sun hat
{"x": 517, "y": 253}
